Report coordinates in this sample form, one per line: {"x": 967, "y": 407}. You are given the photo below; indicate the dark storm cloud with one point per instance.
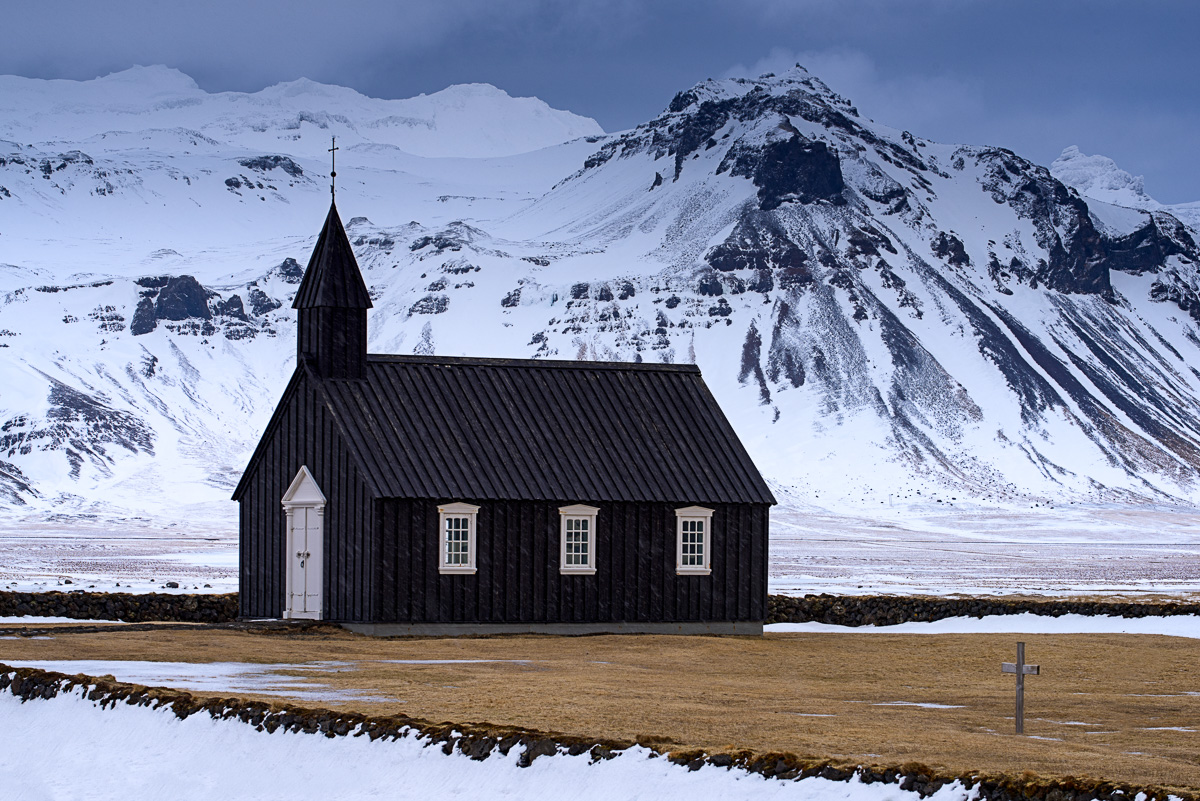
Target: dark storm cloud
{"x": 1118, "y": 78}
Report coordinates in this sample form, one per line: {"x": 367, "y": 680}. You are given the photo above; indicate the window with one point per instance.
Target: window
{"x": 577, "y": 553}
{"x": 693, "y": 541}
{"x": 456, "y": 538}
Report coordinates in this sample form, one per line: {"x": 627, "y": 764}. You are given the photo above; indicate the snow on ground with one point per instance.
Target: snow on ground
{"x": 936, "y": 549}
{"x": 1175, "y": 626}
{"x": 973, "y": 549}
{"x": 126, "y": 556}
{"x": 67, "y": 747}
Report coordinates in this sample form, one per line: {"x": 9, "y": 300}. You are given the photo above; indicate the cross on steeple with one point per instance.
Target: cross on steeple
{"x": 333, "y": 169}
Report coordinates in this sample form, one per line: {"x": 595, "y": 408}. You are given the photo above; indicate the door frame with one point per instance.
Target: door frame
{"x": 303, "y": 492}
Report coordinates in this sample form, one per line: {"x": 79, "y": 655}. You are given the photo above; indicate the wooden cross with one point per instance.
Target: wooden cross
{"x": 1022, "y": 670}
{"x": 333, "y": 171}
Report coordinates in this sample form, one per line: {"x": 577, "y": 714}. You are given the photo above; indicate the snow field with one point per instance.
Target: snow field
{"x": 68, "y": 747}
{"x": 1027, "y": 623}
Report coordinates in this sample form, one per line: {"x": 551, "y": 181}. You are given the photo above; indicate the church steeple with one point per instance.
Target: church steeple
{"x": 333, "y": 302}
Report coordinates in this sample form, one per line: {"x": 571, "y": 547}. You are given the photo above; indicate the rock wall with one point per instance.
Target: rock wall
{"x": 479, "y": 740}
{"x": 841, "y": 610}
{"x": 887, "y": 610}
{"x": 125, "y": 607}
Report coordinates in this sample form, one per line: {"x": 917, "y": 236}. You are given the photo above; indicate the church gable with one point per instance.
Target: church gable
{"x": 301, "y": 424}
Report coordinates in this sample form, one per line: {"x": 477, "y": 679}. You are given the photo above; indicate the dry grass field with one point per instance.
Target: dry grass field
{"x": 1117, "y": 707}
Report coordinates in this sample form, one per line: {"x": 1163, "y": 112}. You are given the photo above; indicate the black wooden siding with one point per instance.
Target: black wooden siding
{"x": 303, "y": 432}
{"x": 333, "y": 341}
{"x": 518, "y": 578}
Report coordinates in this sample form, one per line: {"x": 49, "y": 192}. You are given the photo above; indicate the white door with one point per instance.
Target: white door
{"x": 304, "y": 504}
{"x": 304, "y": 562}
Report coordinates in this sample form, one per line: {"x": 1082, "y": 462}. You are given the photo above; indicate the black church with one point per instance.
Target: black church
{"x": 435, "y": 495}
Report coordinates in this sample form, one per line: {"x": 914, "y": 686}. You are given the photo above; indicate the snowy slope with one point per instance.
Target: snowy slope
{"x": 884, "y": 318}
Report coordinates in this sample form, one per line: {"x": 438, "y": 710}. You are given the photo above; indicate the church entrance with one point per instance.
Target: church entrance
{"x": 304, "y": 504}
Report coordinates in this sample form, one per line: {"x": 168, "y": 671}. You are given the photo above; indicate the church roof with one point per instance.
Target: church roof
{"x": 332, "y": 277}
{"x": 527, "y": 429}
{"x": 532, "y": 429}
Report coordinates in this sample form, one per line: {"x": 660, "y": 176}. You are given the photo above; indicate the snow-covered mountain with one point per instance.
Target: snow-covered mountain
{"x": 471, "y": 120}
{"x": 882, "y": 316}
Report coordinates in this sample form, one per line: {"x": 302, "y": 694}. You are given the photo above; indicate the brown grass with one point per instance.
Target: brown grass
{"x": 841, "y": 696}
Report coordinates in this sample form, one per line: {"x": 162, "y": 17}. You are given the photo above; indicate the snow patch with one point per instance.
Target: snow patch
{"x": 67, "y": 747}
{"x": 1175, "y": 626}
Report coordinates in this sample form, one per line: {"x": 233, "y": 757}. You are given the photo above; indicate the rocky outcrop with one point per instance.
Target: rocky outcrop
{"x": 289, "y": 270}
{"x": 794, "y": 169}
{"x": 188, "y": 307}
{"x": 183, "y": 297}
{"x": 268, "y": 163}
{"x": 757, "y": 245}
{"x": 169, "y": 298}
{"x": 144, "y": 320}
{"x": 231, "y": 307}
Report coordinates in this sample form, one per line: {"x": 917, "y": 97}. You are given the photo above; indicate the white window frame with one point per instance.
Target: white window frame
{"x": 445, "y": 512}
{"x": 577, "y": 512}
{"x": 693, "y": 513}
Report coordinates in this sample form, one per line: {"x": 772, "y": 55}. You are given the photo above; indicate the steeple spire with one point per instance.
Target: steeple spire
{"x": 332, "y": 277}
{"x": 333, "y": 170}
{"x": 333, "y": 302}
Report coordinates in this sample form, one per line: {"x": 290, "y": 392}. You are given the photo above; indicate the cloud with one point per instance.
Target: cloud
{"x": 933, "y": 106}
{"x": 235, "y": 44}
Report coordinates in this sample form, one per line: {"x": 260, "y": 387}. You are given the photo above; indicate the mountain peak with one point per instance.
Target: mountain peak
{"x": 308, "y": 88}
{"x": 470, "y": 90}
{"x": 1099, "y": 177}
{"x": 154, "y": 79}
{"x": 795, "y": 81}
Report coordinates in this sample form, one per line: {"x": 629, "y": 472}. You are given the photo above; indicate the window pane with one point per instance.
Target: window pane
{"x": 692, "y": 543}
{"x": 577, "y": 542}
{"x": 458, "y": 540}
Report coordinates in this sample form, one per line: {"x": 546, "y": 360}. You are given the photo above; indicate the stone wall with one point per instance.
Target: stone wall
{"x": 888, "y": 610}
{"x": 121, "y": 606}
{"x": 842, "y": 610}
{"x": 479, "y": 740}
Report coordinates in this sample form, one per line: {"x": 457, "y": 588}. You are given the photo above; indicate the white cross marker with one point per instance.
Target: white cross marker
{"x": 1022, "y": 670}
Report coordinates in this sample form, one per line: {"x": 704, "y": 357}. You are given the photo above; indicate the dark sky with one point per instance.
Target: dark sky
{"x": 1121, "y": 78}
